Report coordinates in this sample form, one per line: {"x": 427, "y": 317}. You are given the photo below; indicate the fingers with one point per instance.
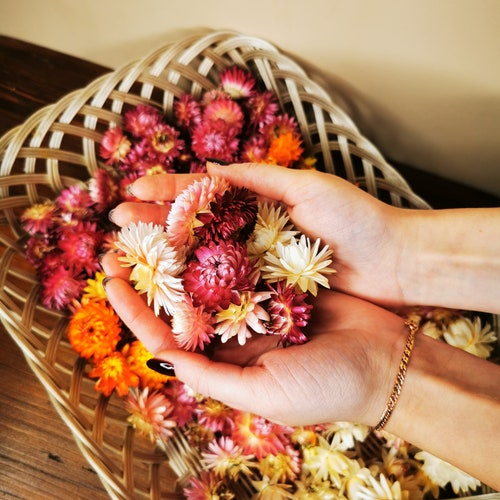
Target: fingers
{"x": 128, "y": 212}
{"x": 271, "y": 181}
{"x": 151, "y": 330}
{"x": 162, "y": 187}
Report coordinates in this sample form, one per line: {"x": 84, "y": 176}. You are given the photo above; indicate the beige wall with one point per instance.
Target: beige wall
{"x": 423, "y": 76}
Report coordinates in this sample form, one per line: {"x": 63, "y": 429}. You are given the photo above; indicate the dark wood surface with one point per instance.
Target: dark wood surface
{"x": 38, "y": 457}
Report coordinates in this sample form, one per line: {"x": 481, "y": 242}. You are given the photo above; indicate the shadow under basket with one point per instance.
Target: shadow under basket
{"x": 59, "y": 146}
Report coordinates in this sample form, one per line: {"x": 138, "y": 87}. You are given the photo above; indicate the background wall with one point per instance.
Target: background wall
{"x": 421, "y": 79}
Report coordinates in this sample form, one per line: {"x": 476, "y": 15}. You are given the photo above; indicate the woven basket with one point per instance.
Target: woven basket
{"x": 58, "y": 146}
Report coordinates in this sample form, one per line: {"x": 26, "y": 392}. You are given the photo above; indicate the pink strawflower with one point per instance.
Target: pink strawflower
{"x": 243, "y": 318}
{"x": 289, "y": 313}
{"x": 76, "y": 201}
{"x": 262, "y": 108}
{"x": 191, "y": 326}
{"x": 237, "y": 82}
{"x": 80, "y": 246}
{"x": 61, "y": 287}
{"x": 218, "y": 273}
{"x": 227, "y": 459}
{"x": 183, "y": 219}
{"x": 258, "y": 436}
{"x": 39, "y": 218}
{"x": 104, "y": 190}
{"x": 232, "y": 217}
{"x": 150, "y": 413}
{"x": 187, "y": 111}
{"x": 284, "y": 466}
{"x": 185, "y": 401}
{"x": 254, "y": 150}
{"x": 226, "y": 110}
{"x": 206, "y": 487}
{"x": 215, "y": 140}
{"x": 141, "y": 120}
{"x": 279, "y": 125}
{"x": 215, "y": 416}
{"x": 115, "y": 146}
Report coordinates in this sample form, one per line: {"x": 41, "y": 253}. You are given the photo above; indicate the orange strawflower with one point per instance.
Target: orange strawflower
{"x": 113, "y": 372}
{"x": 284, "y": 149}
{"x": 137, "y": 355}
{"x": 94, "y": 330}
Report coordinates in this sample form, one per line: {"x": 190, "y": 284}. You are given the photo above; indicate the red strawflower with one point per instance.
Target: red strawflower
{"x": 80, "y": 246}
{"x": 215, "y": 415}
{"x": 237, "y": 82}
{"x": 215, "y": 140}
{"x": 207, "y": 487}
{"x": 37, "y": 247}
{"x": 218, "y": 273}
{"x": 254, "y": 150}
{"x": 262, "y": 108}
{"x": 75, "y": 200}
{"x": 61, "y": 287}
{"x": 114, "y": 146}
{"x": 289, "y": 313}
{"x": 185, "y": 402}
{"x": 187, "y": 111}
{"x": 141, "y": 120}
{"x": 232, "y": 216}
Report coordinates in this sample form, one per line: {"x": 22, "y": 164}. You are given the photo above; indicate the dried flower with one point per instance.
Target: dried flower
{"x": 299, "y": 264}
{"x": 113, "y": 373}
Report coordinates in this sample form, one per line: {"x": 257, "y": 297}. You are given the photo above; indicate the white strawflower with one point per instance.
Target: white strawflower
{"x": 156, "y": 266}
{"x": 272, "y": 226}
{"x": 364, "y": 486}
{"x": 299, "y": 264}
{"x": 471, "y": 337}
{"x": 442, "y": 473}
{"x": 347, "y": 433}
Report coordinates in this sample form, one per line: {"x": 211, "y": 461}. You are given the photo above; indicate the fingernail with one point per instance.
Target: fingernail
{"x": 110, "y": 215}
{"x": 105, "y": 281}
{"x": 161, "y": 366}
{"x": 217, "y": 161}
{"x": 130, "y": 190}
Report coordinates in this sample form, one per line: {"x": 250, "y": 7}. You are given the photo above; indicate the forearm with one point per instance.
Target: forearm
{"x": 450, "y": 407}
{"x": 452, "y": 258}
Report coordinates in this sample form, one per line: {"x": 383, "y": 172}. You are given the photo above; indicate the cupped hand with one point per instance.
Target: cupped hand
{"x": 369, "y": 238}
{"x": 344, "y": 372}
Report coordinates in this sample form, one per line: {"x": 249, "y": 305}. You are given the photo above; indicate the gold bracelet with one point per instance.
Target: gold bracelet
{"x": 400, "y": 377}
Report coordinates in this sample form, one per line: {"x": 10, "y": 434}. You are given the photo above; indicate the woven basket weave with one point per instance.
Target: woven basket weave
{"x": 58, "y": 146}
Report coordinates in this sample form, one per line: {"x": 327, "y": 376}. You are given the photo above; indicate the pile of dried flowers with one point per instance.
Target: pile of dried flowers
{"x": 221, "y": 276}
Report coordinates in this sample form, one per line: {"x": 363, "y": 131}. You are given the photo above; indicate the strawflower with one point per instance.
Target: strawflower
{"x": 113, "y": 373}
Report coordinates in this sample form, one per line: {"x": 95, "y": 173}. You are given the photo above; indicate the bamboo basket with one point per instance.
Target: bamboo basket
{"x": 58, "y": 146}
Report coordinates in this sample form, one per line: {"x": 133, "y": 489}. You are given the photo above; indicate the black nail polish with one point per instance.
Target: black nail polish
{"x": 217, "y": 161}
{"x": 161, "y": 366}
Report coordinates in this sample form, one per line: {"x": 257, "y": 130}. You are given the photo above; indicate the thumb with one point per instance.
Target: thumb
{"x": 271, "y": 181}
{"x": 231, "y": 384}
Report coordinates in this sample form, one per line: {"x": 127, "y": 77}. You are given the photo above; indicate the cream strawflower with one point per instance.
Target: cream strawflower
{"x": 347, "y": 433}
{"x": 364, "y": 486}
{"x": 156, "y": 265}
{"x": 243, "y": 319}
{"x": 443, "y": 473}
{"x": 299, "y": 264}
{"x": 470, "y": 336}
{"x": 272, "y": 226}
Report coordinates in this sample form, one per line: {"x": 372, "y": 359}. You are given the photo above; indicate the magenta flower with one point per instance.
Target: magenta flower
{"x": 80, "y": 245}
{"x": 289, "y": 313}
{"x": 187, "y": 111}
{"x": 164, "y": 144}
{"x": 104, "y": 190}
{"x": 237, "y": 82}
{"x": 215, "y": 140}
{"x": 61, "y": 287}
{"x": 226, "y": 110}
{"x": 141, "y": 120}
{"x": 219, "y": 272}
{"x": 262, "y": 108}
{"x": 39, "y": 218}
{"x": 76, "y": 200}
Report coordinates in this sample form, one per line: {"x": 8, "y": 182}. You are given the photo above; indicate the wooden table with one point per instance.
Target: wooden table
{"x": 38, "y": 457}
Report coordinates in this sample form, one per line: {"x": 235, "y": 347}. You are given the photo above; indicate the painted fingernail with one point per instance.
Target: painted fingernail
{"x": 217, "y": 161}
{"x": 105, "y": 281}
{"x": 130, "y": 189}
{"x": 161, "y": 366}
{"x": 110, "y": 215}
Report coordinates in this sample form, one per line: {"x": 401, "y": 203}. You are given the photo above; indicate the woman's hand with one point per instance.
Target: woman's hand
{"x": 365, "y": 234}
{"x": 344, "y": 372}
